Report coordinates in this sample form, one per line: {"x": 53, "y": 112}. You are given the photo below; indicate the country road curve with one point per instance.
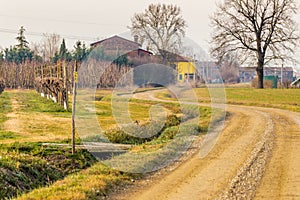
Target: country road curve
{"x": 257, "y": 156}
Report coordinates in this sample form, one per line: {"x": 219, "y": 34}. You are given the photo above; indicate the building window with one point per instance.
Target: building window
{"x": 180, "y": 76}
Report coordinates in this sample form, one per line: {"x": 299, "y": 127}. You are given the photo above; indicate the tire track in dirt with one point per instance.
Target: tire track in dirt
{"x": 244, "y": 185}
{"x": 282, "y": 177}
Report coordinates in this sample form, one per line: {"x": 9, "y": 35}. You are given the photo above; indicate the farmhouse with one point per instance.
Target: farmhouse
{"x": 185, "y": 67}
{"x": 135, "y": 55}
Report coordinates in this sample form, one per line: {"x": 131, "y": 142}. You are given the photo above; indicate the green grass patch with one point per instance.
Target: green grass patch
{"x": 5, "y": 107}
{"x": 5, "y": 103}
{"x": 33, "y": 102}
{"x": 8, "y": 135}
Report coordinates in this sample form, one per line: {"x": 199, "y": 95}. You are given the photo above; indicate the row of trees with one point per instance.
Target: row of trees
{"x": 48, "y": 50}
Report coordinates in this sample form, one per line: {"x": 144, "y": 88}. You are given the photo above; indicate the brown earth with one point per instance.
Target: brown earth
{"x": 257, "y": 156}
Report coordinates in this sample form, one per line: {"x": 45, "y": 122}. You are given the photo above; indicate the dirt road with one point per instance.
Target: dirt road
{"x": 257, "y": 156}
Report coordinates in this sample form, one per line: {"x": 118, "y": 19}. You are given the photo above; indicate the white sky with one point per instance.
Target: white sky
{"x": 93, "y": 19}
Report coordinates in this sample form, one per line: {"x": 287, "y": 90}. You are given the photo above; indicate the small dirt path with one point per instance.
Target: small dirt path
{"x": 256, "y": 157}
{"x": 13, "y": 124}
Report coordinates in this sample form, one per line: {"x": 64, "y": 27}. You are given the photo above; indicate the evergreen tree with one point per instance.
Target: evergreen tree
{"x": 1, "y": 56}
{"x": 63, "y": 50}
{"x": 20, "y": 52}
{"x": 23, "y": 44}
{"x": 63, "y": 53}
{"x": 81, "y": 52}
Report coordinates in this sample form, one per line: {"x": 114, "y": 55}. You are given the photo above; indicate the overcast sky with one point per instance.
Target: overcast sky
{"x": 91, "y": 19}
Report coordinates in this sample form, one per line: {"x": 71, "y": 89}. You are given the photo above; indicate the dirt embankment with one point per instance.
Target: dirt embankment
{"x": 256, "y": 157}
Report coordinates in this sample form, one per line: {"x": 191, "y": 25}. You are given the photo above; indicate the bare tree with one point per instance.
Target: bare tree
{"x": 261, "y": 30}
{"x": 229, "y": 68}
{"x": 48, "y": 46}
{"x": 161, "y": 26}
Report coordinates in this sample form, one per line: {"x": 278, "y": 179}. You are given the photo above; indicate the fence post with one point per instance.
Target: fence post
{"x": 66, "y": 99}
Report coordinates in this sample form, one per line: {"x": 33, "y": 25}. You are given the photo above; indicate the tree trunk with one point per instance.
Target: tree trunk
{"x": 260, "y": 75}
{"x": 260, "y": 71}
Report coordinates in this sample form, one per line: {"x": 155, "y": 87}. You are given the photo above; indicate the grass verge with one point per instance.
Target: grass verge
{"x": 25, "y": 166}
{"x": 5, "y": 107}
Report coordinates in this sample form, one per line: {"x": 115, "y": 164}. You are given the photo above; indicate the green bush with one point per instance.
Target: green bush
{"x": 119, "y": 136}
{"x": 146, "y": 130}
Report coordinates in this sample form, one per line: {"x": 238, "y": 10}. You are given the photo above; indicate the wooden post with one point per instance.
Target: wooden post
{"x": 66, "y": 100}
{"x": 75, "y": 80}
{"x": 51, "y": 71}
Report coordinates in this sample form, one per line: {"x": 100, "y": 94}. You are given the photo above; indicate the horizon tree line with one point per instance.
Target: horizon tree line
{"x": 47, "y": 51}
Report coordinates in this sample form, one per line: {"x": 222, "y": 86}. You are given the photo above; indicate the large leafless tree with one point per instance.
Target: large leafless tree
{"x": 161, "y": 26}
{"x": 260, "y": 30}
{"x": 48, "y": 46}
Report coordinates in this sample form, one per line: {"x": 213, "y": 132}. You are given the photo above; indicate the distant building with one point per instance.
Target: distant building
{"x": 287, "y": 73}
{"x": 116, "y": 45}
{"x": 186, "y": 71}
{"x": 209, "y": 71}
{"x": 247, "y": 74}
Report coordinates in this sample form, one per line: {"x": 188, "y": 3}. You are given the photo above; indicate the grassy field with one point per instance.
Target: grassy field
{"x": 288, "y": 99}
{"x": 28, "y": 120}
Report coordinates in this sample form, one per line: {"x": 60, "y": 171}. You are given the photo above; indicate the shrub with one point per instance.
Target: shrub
{"x": 142, "y": 133}
{"x": 267, "y": 83}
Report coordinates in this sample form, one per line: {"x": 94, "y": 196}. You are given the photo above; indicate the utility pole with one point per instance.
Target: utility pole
{"x": 281, "y": 74}
{"x": 75, "y": 80}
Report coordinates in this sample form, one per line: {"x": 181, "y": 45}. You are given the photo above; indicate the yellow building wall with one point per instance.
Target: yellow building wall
{"x": 184, "y": 68}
